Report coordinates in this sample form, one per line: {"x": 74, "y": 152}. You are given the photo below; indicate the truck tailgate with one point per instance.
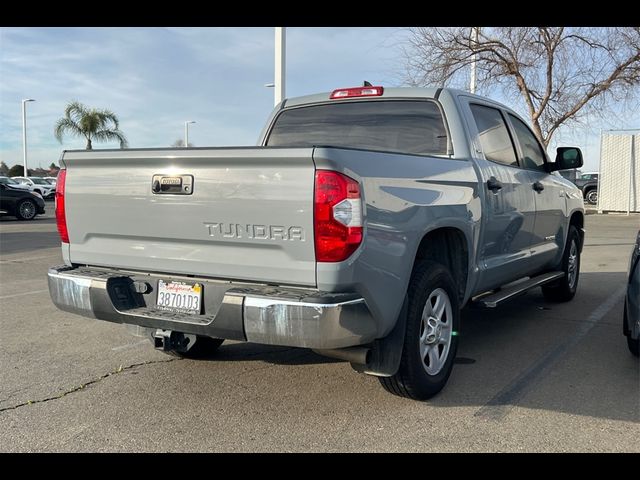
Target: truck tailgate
{"x": 248, "y": 216}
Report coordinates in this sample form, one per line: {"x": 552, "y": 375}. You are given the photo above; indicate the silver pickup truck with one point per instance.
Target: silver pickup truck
{"x": 361, "y": 225}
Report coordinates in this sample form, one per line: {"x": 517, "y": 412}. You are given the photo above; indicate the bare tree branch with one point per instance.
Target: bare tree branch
{"x": 560, "y": 74}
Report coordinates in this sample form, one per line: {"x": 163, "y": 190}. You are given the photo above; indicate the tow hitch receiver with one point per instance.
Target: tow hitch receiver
{"x": 167, "y": 340}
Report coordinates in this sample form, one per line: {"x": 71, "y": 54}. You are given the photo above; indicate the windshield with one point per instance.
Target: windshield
{"x": 405, "y": 126}
{"x": 8, "y": 181}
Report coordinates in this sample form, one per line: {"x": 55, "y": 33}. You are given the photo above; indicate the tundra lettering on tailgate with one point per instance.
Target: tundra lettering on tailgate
{"x": 257, "y": 232}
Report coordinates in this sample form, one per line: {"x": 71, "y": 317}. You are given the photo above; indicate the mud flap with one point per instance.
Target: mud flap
{"x": 386, "y": 353}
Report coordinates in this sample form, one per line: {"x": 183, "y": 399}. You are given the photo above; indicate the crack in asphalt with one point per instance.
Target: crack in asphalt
{"x": 13, "y": 394}
{"x": 86, "y": 384}
{"x": 129, "y": 367}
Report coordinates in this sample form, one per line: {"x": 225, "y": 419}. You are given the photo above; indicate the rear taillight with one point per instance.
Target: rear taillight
{"x": 61, "y": 218}
{"x": 357, "y": 92}
{"x": 337, "y": 216}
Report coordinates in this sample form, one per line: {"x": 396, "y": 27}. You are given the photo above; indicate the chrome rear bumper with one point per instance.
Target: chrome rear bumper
{"x": 254, "y": 313}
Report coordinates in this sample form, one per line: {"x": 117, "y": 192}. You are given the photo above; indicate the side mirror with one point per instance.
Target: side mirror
{"x": 567, "y": 158}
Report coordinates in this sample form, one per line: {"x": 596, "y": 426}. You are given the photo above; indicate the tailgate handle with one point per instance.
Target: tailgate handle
{"x": 172, "y": 184}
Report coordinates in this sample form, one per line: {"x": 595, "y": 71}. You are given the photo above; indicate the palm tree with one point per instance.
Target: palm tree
{"x": 93, "y": 124}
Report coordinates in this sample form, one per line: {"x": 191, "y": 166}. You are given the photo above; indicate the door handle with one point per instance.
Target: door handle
{"x": 538, "y": 187}
{"x": 494, "y": 184}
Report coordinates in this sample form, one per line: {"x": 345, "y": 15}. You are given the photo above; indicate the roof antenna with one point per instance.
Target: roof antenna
{"x": 367, "y": 84}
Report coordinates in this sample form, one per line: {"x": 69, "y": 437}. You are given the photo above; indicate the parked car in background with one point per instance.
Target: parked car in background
{"x": 51, "y": 180}
{"x": 39, "y": 185}
{"x": 19, "y": 202}
{"x": 588, "y": 184}
{"x": 14, "y": 184}
{"x": 631, "y": 319}
{"x": 570, "y": 174}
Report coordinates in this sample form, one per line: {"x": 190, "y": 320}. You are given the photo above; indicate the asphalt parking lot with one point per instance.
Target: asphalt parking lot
{"x": 530, "y": 376}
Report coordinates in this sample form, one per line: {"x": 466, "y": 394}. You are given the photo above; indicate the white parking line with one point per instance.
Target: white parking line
{"x": 131, "y": 345}
{"x": 23, "y": 293}
{"x": 18, "y": 260}
{"x": 501, "y": 404}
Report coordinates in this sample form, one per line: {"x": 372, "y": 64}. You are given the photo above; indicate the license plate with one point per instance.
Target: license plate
{"x": 179, "y": 297}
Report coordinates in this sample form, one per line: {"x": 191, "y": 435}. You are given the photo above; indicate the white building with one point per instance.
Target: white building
{"x": 619, "y": 180}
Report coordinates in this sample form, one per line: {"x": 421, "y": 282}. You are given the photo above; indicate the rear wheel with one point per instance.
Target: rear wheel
{"x": 431, "y": 341}
{"x": 564, "y": 289}
{"x": 26, "y": 210}
{"x": 592, "y": 196}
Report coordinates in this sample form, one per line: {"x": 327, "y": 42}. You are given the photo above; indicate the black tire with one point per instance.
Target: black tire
{"x": 565, "y": 289}
{"x": 26, "y": 210}
{"x": 412, "y": 379}
{"x": 592, "y": 196}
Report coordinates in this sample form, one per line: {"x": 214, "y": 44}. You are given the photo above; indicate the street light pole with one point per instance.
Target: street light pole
{"x": 24, "y": 134}
{"x": 186, "y": 132}
{"x": 472, "y": 83}
{"x": 280, "y": 65}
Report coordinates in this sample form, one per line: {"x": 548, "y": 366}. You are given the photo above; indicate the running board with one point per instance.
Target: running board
{"x": 495, "y": 299}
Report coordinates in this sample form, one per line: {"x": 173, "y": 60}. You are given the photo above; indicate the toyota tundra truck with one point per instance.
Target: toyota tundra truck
{"x": 363, "y": 222}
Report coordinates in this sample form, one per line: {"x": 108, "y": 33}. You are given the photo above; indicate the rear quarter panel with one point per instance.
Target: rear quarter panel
{"x": 405, "y": 197}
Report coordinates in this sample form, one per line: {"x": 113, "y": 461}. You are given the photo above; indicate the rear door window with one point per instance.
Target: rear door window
{"x": 415, "y": 127}
{"x": 493, "y": 135}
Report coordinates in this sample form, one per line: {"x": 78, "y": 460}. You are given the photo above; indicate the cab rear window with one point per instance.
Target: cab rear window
{"x": 414, "y": 127}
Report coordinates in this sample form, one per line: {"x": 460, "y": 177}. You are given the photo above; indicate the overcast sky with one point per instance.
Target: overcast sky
{"x": 156, "y": 78}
